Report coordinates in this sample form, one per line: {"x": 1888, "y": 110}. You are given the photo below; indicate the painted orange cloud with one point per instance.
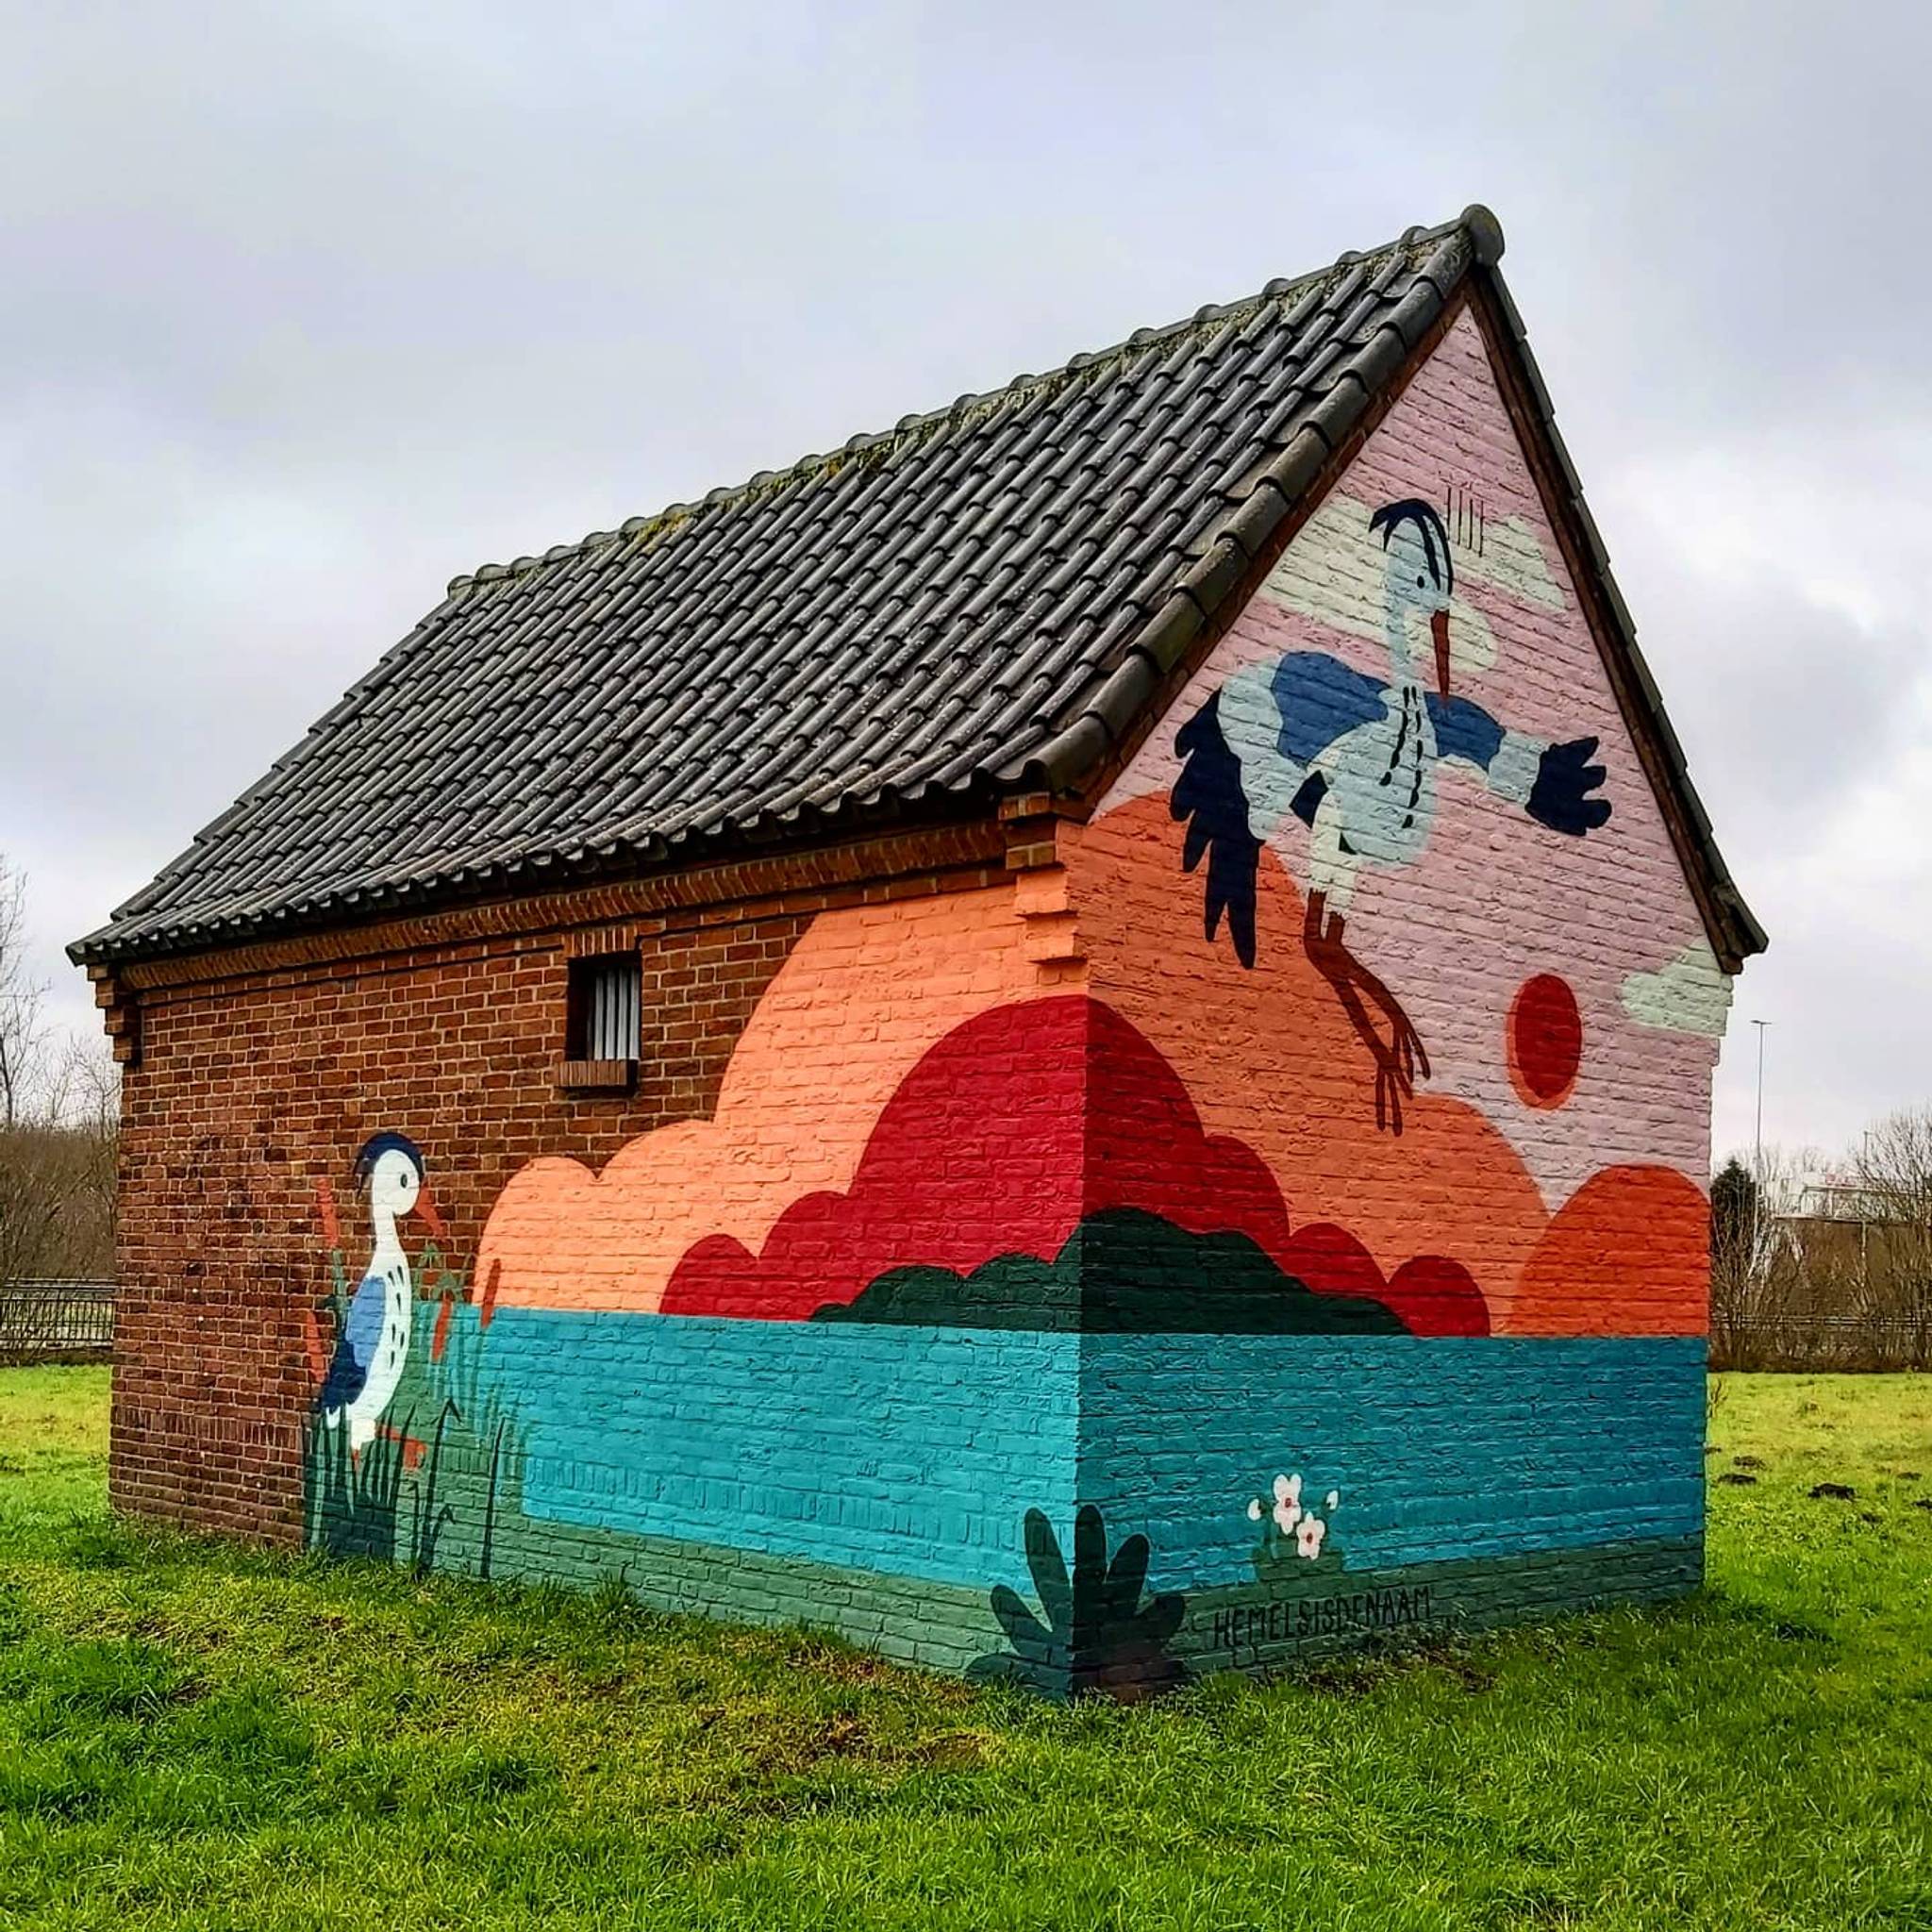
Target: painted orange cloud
{"x": 1629, "y": 1254}
{"x": 866, "y": 993}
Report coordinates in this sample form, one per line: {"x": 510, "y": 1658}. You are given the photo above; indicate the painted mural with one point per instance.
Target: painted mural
{"x": 1289, "y": 1201}
{"x": 372, "y": 1334}
{"x": 1097, "y": 1629}
{"x": 1356, "y": 756}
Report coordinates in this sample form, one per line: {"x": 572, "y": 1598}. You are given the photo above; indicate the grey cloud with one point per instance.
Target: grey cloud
{"x": 311, "y": 307}
{"x": 1784, "y": 705}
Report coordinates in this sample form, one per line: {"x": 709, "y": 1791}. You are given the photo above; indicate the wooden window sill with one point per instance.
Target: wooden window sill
{"x": 596, "y": 1077}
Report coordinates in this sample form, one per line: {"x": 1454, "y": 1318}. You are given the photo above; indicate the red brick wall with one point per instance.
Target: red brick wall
{"x": 257, "y": 1070}
{"x": 947, "y": 1083}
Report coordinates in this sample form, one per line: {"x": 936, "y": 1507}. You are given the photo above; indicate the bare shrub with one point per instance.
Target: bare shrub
{"x": 23, "y": 1037}
{"x": 1893, "y": 1270}
{"x": 1761, "y": 1310}
{"x": 59, "y": 1116}
{"x": 1817, "y": 1268}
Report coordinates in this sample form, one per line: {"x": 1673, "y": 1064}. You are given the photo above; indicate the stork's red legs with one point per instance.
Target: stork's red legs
{"x": 412, "y": 1446}
{"x": 1399, "y": 1058}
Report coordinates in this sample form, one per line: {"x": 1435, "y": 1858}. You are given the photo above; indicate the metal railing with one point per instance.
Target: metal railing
{"x": 66, "y": 1320}
{"x": 1823, "y": 1342}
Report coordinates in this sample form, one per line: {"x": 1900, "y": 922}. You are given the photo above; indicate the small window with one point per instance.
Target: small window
{"x": 604, "y": 996}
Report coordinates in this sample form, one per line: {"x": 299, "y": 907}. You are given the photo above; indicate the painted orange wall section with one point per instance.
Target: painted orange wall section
{"x": 865, "y": 993}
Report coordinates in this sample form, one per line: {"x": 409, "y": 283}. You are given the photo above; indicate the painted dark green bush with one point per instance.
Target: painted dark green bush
{"x": 1122, "y": 1271}
{"x": 1098, "y": 1635}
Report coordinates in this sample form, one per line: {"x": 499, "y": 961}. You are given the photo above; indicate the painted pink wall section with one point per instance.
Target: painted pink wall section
{"x": 1497, "y": 898}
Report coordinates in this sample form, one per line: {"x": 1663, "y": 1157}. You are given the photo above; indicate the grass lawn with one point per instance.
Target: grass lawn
{"x": 192, "y": 1736}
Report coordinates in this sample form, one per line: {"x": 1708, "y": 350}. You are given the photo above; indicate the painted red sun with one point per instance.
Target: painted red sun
{"x": 1545, "y": 1033}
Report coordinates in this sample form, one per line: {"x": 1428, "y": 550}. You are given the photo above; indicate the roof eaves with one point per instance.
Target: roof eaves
{"x": 510, "y": 870}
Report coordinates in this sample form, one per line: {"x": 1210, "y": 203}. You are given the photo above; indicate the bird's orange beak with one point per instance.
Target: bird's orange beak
{"x": 1438, "y": 629}
{"x": 425, "y": 1211}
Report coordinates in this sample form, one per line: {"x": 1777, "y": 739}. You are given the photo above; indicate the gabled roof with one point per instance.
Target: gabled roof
{"x": 982, "y": 599}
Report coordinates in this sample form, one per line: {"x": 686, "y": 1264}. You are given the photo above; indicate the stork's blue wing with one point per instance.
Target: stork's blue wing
{"x": 1464, "y": 730}
{"x": 356, "y": 1346}
{"x": 1321, "y": 699}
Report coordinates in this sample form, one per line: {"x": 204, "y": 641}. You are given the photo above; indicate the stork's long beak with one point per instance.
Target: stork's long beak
{"x": 1438, "y": 629}
{"x": 425, "y": 1212}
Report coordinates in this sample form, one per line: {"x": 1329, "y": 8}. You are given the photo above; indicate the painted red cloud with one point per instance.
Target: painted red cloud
{"x": 990, "y": 1147}
{"x": 1018, "y": 1125}
{"x": 1429, "y": 1294}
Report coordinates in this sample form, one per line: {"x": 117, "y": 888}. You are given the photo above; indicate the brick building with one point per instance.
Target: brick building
{"x": 1075, "y": 1040}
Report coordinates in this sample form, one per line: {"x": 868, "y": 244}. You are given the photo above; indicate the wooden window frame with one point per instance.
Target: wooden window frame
{"x": 580, "y": 1071}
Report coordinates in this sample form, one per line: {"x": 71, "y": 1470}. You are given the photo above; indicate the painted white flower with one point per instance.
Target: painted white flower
{"x": 1286, "y": 1516}
{"x": 1287, "y": 1488}
{"x": 1254, "y": 1508}
{"x": 1308, "y": 1541}
{"x": 1334, "y": 1499}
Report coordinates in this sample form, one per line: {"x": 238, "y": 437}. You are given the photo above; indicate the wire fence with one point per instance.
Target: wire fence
{"x": 1823, "y": 1343}
{"x": 73, "y": 1321}
{"x": 56, "y": 1321}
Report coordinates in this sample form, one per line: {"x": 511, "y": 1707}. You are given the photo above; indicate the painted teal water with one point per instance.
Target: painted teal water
{"x": 1438, "y": 1449}
{"x": 912, "y": 1450}
{"x": 918, "y": 1450}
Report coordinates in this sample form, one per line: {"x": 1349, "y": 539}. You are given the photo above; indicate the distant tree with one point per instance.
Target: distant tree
{"x": 60, "y": 1115}
{"x": 1733, "y": 1207}
{"x": 1818, "y": 1264}
{"x": 1734, "y": 1240}
{"x": 21, "y": 1036}
{"x": 1763, "y": 1297}
{"x": 1894, "y": 1167}
{"x": 1895, "y": 1181}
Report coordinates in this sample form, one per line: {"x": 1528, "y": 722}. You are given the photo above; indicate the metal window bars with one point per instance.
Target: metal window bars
{"x": 611, "y": 998}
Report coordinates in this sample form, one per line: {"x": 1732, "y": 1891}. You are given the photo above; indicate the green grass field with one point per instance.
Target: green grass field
{"x": 193, "y": 1736}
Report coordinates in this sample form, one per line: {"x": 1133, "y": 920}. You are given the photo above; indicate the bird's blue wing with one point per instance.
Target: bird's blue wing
{"x": 1464, "y": 730}
{"x": 1563, "y": 796}
{"x": 1321, "y": 699}
{"x": 356, "y": 1346}
{"x": 1208, "y": 795}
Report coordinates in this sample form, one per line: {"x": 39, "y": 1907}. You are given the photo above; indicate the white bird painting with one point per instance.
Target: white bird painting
{"x": 375, "y": 1340}
{"x": 1355, "y": 758}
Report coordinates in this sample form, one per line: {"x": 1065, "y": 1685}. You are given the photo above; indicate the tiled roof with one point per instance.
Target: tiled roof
{"x": 981, "y": 598}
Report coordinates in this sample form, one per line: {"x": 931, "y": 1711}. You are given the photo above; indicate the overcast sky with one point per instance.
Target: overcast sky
{"x": 306, "y": 309}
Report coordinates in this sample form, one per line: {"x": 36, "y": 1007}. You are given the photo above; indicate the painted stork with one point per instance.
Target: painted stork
{"x": 1354, "y": 757}
{"x": 375, "y": 1340}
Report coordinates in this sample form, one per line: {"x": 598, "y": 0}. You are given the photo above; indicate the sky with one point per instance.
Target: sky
{"x": 308, "y": 308}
